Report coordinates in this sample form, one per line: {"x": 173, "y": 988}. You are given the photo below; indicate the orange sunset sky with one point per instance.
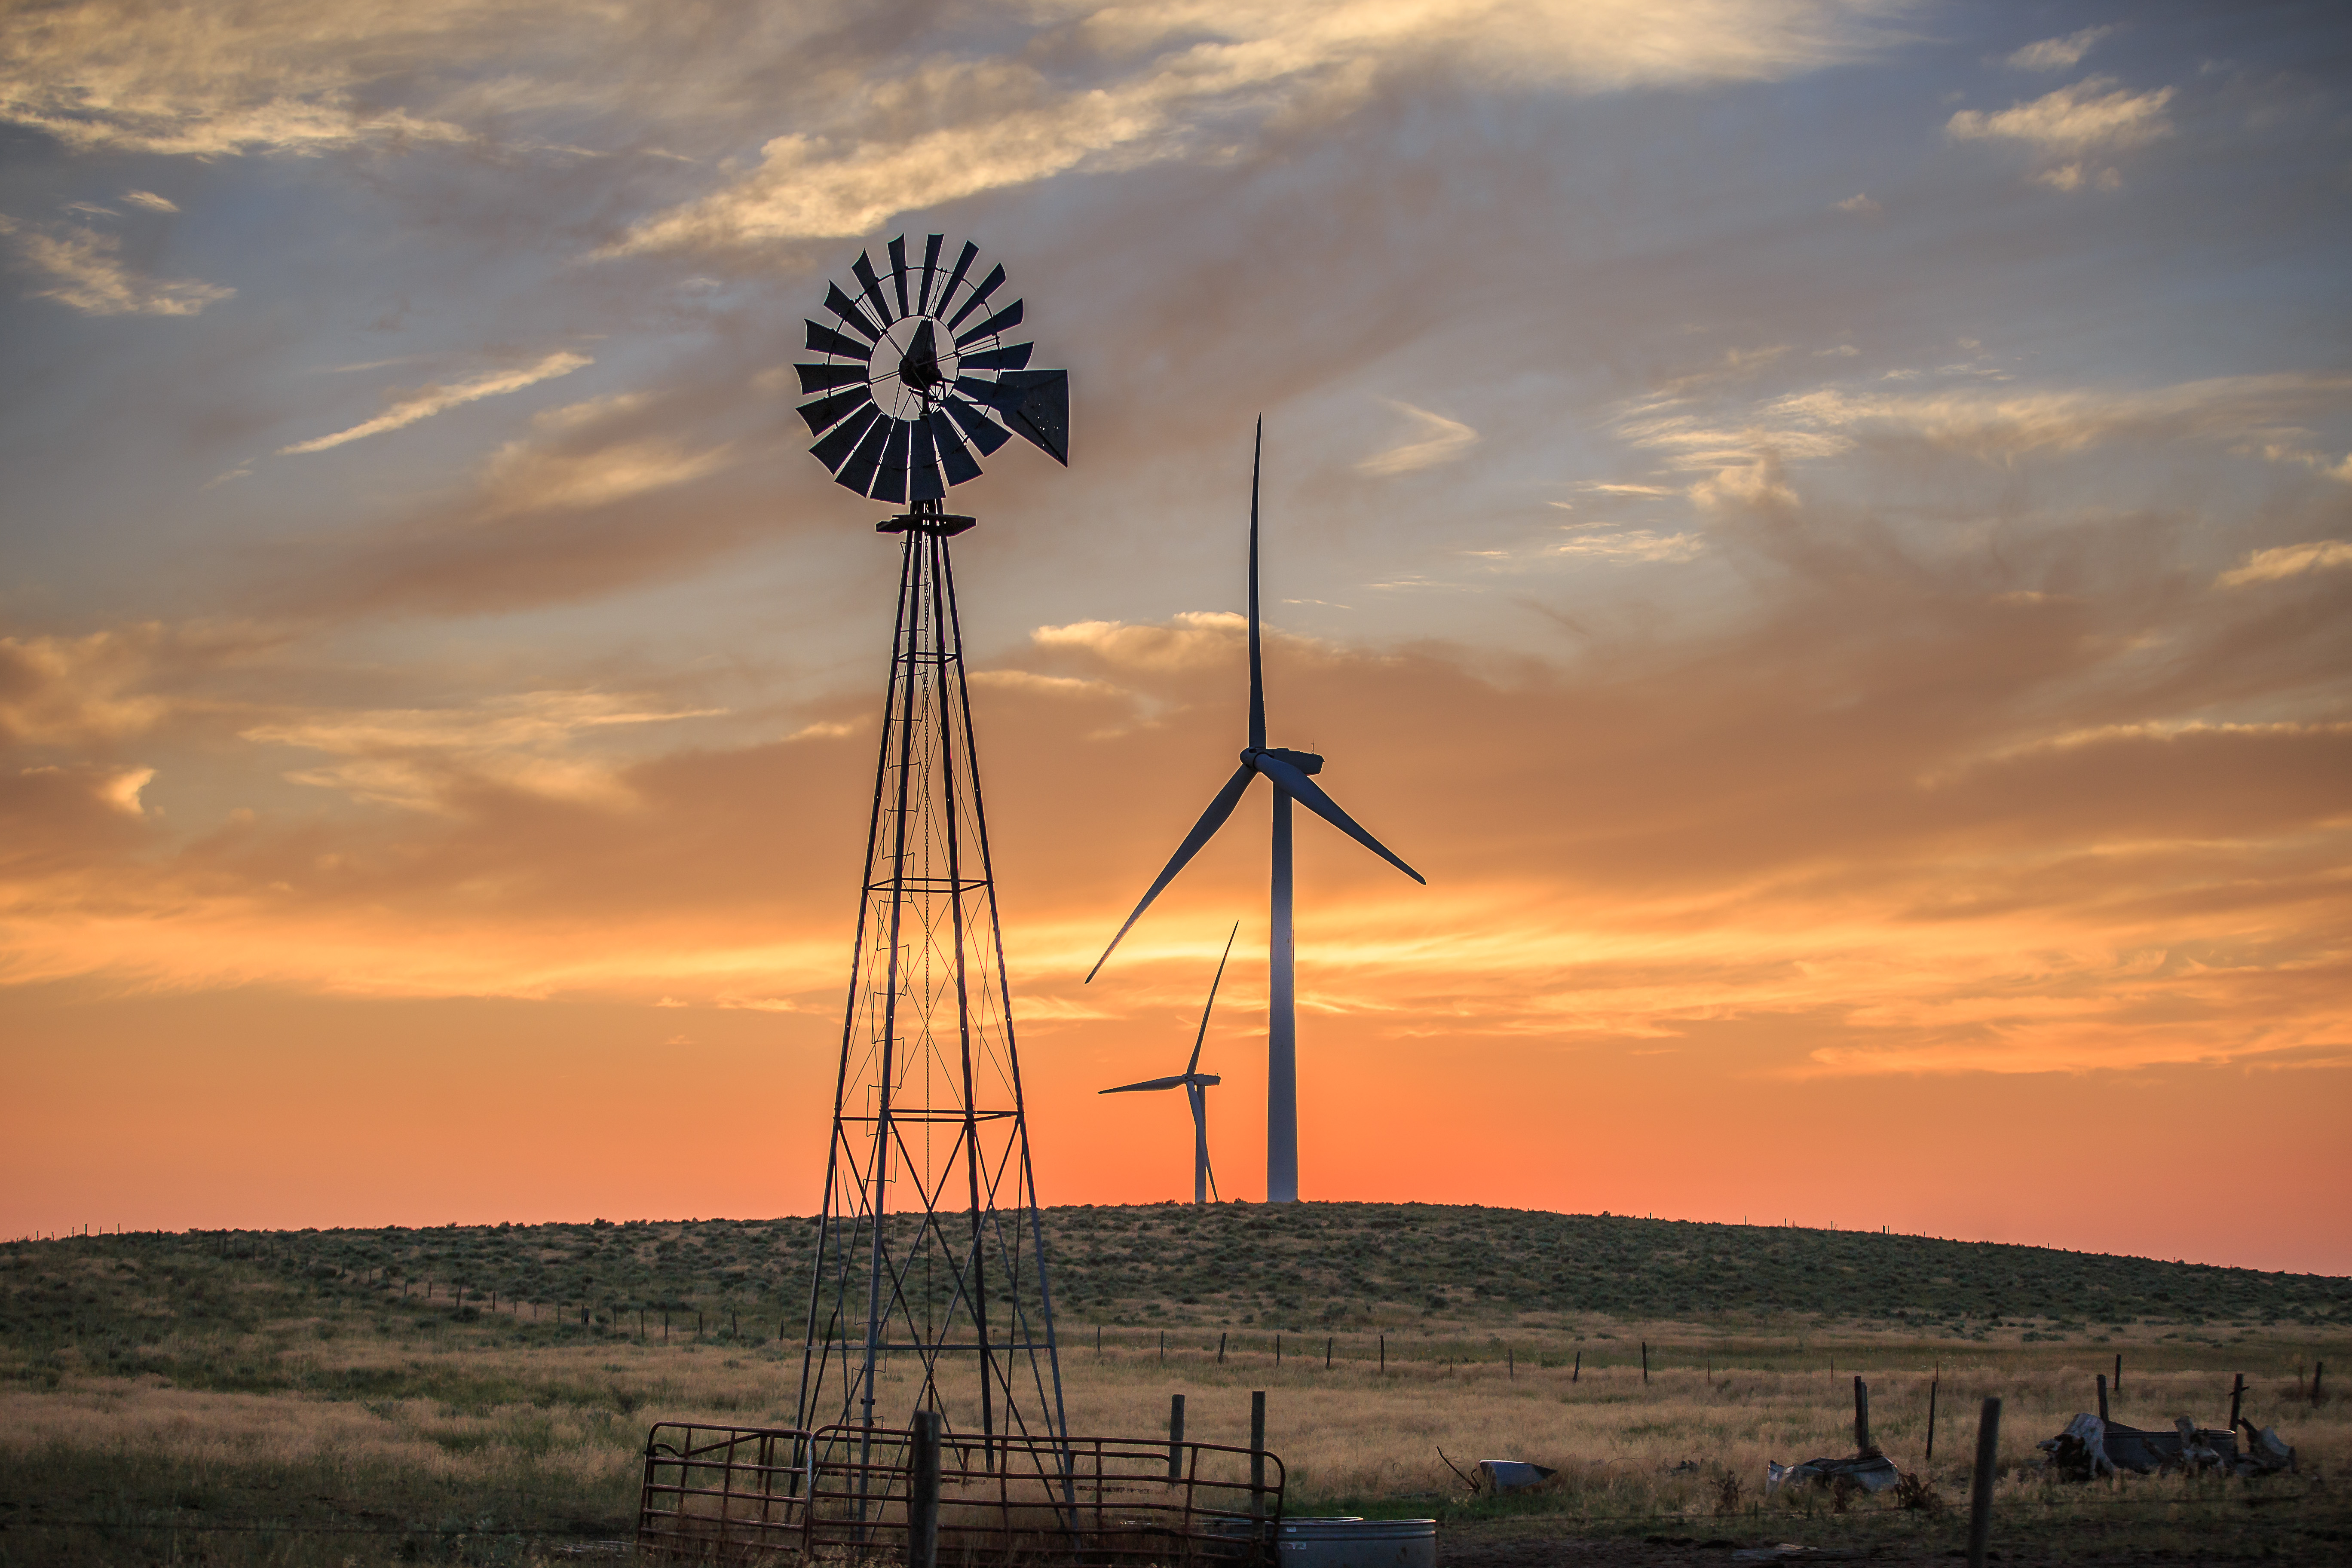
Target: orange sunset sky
{"x": 1822, "y": 526}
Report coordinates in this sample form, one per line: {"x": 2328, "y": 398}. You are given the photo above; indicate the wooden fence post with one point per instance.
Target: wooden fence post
{"x": 1931, "y": 1457}
{"x": 1980, "y": 1484}
{"x": 1257, "y": 1452}
{"x": 2237, "y": 1400}
{"x": 1577, "y": 1372}
{"x": 1384, "y": 1352}
{"x": 923, "y": 1493}
{"x": 1220, "y": 1350}
{"x": 2103, "y": 1398}
{"x": 1861, "y": 1416}
{"x": 1326, "y": 1353}
{"x": 1175, "y": 1436}
{"x": 1645, "y": 1364}
{"x": 2318, "y": 1371}
{"x": 2119, "y": 1371}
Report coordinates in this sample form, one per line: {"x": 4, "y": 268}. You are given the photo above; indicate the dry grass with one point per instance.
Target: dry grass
{"x": 488, "y": 1438}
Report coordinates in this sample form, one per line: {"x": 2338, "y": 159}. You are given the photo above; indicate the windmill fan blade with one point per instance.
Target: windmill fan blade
{"x": 825, "y": 340}
{"x": 1194, "y": 1065}
{"x": 1176, "y": 1082}
{"x": 1003, "y": 321}
{"x": 819, "y": 377}
{"x": 963, "y": 265}
{"x": 842, "y": 305}
{"x": 983, "y": 433}
{"x": 1042, "y": 416}
{"x": 1010, "y": 357}
{"x": 834, "y": 449}
{"x": 988, "y": 285}
{"x": 1257, "y": 670}
{"x": 1202, "y": 831}
{"x": 898, "y": 270}
{"x": 891, "y": 476}
{"x": 923, "y": 481}
{"x": 826, "y": 412}
{"x": 955, "y": 461}
{"x": 864, "y": 267}
{"x": 931, "y": 266}
{"x": 857, "y": 473}
{"x": 1309, "y": 795}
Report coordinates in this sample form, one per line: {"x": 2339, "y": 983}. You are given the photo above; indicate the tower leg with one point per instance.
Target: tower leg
{"x": 1281, "y": 1027}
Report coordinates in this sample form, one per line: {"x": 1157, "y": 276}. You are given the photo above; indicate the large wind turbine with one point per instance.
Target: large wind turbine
{"x": 1290, "y": 773}
{"x": 1195, "y": 1083}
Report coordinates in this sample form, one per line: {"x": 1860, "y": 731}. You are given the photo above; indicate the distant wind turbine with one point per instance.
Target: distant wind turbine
{"x": 1195, "y": 1083}
{"x": 1289, "y": 773}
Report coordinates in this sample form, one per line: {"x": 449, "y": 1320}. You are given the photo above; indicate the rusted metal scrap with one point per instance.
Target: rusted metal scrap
{"x": 1512, "y": 1474}
{"x": 1873, "y": 1472}
{"x": 2090, "y": 1447}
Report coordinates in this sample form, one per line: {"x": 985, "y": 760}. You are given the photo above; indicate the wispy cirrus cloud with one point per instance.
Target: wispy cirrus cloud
{"x": 1142, "y": 84}
{"x": 90, "y": 275}
{"x": 2287, "y": 561}
{"x": 2056, "y": 54}
{"x": 416, "y": 758}
{"x": 1436, "y": 439}
{"x": 408, "y": 407}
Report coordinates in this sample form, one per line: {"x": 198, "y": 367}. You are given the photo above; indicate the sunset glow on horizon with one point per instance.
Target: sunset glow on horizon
{"x": 1822, "y": 528}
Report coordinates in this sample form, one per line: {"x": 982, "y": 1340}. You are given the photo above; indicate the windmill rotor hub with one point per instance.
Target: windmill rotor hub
{"x": 1308, "y": 762}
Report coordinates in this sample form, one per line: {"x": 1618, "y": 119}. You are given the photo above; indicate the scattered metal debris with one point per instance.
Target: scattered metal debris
{"x": 2091, "y": 1448}
{"x": 1512, "y": 1474}
{"x": 1872, "y": 1472}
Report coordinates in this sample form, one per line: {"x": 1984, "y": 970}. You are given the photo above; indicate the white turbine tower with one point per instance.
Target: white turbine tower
{"x": 1289, "y": 773}
{"x": 1195, "y": 1085}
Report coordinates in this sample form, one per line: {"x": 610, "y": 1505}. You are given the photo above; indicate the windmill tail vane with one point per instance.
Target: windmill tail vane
{"x": 906, "y": 401}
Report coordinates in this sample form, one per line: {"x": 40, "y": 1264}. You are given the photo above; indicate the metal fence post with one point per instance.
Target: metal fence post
{"x": 923, "y": 1492}
{"x": 1980, "y": 1484}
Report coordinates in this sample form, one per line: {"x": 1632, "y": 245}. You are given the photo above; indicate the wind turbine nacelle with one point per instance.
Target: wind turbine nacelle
{"x": 1307, "y": 762}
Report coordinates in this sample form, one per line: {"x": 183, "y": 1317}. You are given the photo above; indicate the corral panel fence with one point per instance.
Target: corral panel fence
{"x": 761, "y": 1494}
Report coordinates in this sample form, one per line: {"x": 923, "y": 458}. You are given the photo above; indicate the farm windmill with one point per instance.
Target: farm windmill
{"x": 1290, "y": 772}
{"x": 1195, "y": 1085}
{"x": 929, "y": 1240}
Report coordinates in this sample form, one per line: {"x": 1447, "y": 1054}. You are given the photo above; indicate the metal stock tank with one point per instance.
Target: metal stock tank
{"x": 1352, "y": 1542}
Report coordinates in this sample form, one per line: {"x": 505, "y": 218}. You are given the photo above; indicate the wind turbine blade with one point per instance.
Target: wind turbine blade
{"x": 1176, "y": 1082}
{"x": 1211, "y": 820}
{"x": 1194, "y": 1065}
{"x": 1257, "y": 670}
{"x": 1308, "y": 794}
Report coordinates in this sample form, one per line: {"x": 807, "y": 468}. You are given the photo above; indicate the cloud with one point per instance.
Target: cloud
{"x": 409, "y": 407}
{"x": 1193, "y": 640}
{"x": 1860, "y": 203}
{"x": 2287, "y": 561}
{"x": 1184, "y": 79}
{"x": 92, "y": 277}
{"x": 1440, "y": 440}
{"x": 1633, "y": 544}
{"x": 419, "y": 759}
{"x": 78, "y": 691}
{"x": 2056, "y": 54}
{"x": 151, "y": 201}
{"x": 522, "y": 476}
{"x": 2092, "y": 113}
{"x": 1991, "y": 423}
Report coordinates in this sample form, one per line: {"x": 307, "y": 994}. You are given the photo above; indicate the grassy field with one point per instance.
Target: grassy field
{"x": 302, "y": 1398}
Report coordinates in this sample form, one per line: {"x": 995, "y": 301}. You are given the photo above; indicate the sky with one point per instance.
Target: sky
{"x": 1823, "y": 527}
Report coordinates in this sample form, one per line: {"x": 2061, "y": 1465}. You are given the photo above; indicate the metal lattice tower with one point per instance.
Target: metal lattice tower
{"x": 930, "y": 1290}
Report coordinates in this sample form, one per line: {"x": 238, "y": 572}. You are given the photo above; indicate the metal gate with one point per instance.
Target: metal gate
{"x": 761, "y": 1494}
